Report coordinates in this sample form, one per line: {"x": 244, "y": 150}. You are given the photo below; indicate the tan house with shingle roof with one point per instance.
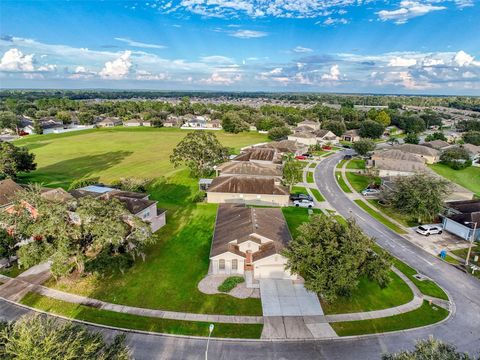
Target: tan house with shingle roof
{"x": 396, "y": 163}
{"x": 249, "y": 241}
{"x": 260, "y": 155}
{"x": 249, "y": 168}
{"x": 304, "y": 137}
{"x": 243, "y": 189}
{"x": 430, "y": 155}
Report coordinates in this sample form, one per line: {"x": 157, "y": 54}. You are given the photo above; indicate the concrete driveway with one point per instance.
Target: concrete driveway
{"x": 434, "y": 244}
{"x": 284, "y": 298}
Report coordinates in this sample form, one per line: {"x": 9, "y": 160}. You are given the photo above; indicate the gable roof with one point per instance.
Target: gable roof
{"x": 472, "y": 149}
{"x": 246, "y": 185}
{"x": 250, "y": 168}
{"x": 321, "y": 133}
{"x": 437, "y": 144}
{"x": 418, "y": 149}
{"x": 8, "y": 189}
{"x": 237, "y": 222}
{"x": 303, "y": 135}
{"x": 260, "y": 154}
{"x": 352, "y": 132}
{"x": 394, "y": 154}
{"x": 284, "y": 146}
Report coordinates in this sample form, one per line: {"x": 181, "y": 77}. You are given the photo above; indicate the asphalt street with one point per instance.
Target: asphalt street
{"x": 461, "y": 329}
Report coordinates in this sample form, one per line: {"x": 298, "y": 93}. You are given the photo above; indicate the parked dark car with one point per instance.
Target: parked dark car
{"x": 347, "y": 157}
{"x": 295, "y": 197}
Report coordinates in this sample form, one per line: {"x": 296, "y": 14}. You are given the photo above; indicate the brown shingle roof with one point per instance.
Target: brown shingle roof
{"x": 418, "y": 149}
{"x": 396, "y": 155}
{"x": 260, "y": 154}
{"x": 246, "y": 185}
{"x": 437, "y": 144}
{"x": 57, "y": 195}
{"x": 8, "y": 188}
{"x": 249, "y": 168}
{"x": 304, "y": 135}
{"x": 284, "y": 146}
{"x": 237, "y": 222}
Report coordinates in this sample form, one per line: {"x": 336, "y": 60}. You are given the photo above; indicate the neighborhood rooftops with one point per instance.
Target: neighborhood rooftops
{"x": 464, "y": 211}
{"x": 437, "y": 144}
{"x": 237, "y": 223}
{"x": 246, "y": 185}
{"x": 259, "y": 154}
{"x": 8, "y": 189}
{"x": 249, "y": 168}
{"x": 418, "y": 149}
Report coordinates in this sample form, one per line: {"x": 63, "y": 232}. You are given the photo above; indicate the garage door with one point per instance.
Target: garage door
{"x": 270, "y": 272}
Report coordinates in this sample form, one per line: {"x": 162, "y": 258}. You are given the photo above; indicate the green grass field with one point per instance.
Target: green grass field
{"x": 341, "y": 182}
{"x": 468, "y": 178}
{"x": 317, "y": 195}
{"x": 359, "y": 182}
{"x": 128, "y": 321}
{"x": 356, "y": 164}
{"x": 310, "y": 179}
{"x": 296, "y": 216}
{"x": 403, "y": 219}
{"x": 370, "y": 296}
{"x": 379, "y": 217}
{"x": 113, "y": 153}
{"x": 425, "y": 315}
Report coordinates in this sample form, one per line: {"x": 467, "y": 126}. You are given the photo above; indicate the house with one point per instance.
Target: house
{"x": 173, "y": 121}
{"x": 474, "y": 152}
{"x": 253, "y": 169}
{"x": 249, "y": 242}
{"x": 136, "y": 203}
{"x": 260, "y": 155}
{"x": 213, "y": 124}
{"x": 306, "y": 138}
{"x": 301, "y": 129}
{"x": 202, "y": 123}
{"x": 325, "y": 136}
{"x": 284, "y": 147}
{"x": 133, "y": 122}
{"x": 351, "y": 135}
{"x": 459, "y": 218}
{"x": 438, "y": 145}
{"x": 312, "y": 125}
{"x": 396, "y": 163}
{"x": 430, "y": 155}
{"x": 8, "y": 189}
{"x": 244, "y": 189}
{"x": 109, "y": 122}
{"x": 48, "y": 125}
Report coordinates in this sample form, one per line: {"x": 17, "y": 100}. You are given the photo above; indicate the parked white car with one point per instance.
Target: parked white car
{"x": 429, "y": 229}
{"x": 304, "y": 203}
{"x": 370, "y": 192}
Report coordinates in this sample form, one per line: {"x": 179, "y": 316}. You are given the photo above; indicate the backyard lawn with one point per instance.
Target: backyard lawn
{"x": 468, "y": 178}
{"x": 296, "y": 216}
{"x": 358, "y": 164}
{"x": 358, "y": 181}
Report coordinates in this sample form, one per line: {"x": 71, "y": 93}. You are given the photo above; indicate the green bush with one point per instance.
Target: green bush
{"x": 230, "y": 283}
{"x": 80, "y": 183}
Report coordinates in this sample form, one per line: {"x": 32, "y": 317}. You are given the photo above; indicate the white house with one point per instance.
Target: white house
{"x": 249, "y": 242}
{"x": 306, "y": 138}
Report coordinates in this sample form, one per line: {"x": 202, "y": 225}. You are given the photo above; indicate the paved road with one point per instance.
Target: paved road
{"x": 462, "y": 329}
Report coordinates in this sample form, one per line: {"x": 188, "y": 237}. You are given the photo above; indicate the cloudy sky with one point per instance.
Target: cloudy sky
{"x": 375, "y": 46}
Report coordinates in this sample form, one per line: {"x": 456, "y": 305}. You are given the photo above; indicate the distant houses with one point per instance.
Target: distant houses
{"x": 201, "y": 123}
{"x": 351, "y": 135}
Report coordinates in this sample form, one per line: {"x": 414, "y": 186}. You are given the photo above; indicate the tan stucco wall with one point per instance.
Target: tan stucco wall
{"x": 251, "y": 199}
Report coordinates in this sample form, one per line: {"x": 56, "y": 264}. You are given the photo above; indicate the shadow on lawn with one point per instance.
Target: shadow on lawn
{"x": 64, "y": 172}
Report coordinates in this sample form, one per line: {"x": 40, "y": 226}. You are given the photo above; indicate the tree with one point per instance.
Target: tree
{"x": 383, "y": 118}
{"x": 86, "y": 118}
{"x": 200, "y": 151}
{"x": 408, "y": 196}
{"x": 8, "y": 120}
{"x": 292, "y": 172}
{"x": 233, "y": 123}
{"x": 37, "y": 127}
{"x": 364, "y": 146}
{"x": 279, "y": 133}
{"x": 429, "y": 349}
{"x": 7, "y": 245}
{"x": 414, "y": 124}
{"x": 457, "y": 158}
{"x": 332, "y": 256}
{"x": 436, "y": 136}
{"x": 65, "y": 117}
{"x": 43, "y": 338}
{"x": 371, "y": 129}
{"x": 412, "y": 138}
{"x": 472, "y": 137}
{"x": 337, "y": 127}
{"x": 15, "y": 159}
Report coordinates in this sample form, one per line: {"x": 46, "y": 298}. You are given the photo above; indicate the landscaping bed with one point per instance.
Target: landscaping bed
{"x": 128, "y": 321}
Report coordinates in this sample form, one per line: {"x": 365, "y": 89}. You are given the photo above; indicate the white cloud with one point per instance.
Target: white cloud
{"x": 461, "y": 58}
{"x": 248, "y": 34}
{"x": 333, "y": 75}
{"x": 333, "y": 21}
{"x": 408, "y": 9}
{"x": 47, "y": 67}
{"x": 117, "y": 69}
{"x": 301, "y": 49}
{"x": 139, "y": 44}
{"x": 15, "y": 60}
{"x": 402, "y": 62}
{"x": 217, "y": 59}
{"x": 219, "y": 78}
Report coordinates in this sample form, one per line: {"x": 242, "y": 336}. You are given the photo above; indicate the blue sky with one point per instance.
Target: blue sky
{"x": 376, "y": 46}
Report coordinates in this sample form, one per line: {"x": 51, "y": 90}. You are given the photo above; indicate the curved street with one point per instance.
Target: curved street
{"x": 461, "y": 329}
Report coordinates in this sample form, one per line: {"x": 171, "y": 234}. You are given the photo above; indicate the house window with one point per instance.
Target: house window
{"x": 221, "y": 264}
{"x": 234, "y": 264}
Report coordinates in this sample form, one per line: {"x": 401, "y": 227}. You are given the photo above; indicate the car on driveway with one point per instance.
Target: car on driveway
{"x": 301, "y": 157}
{"x": 304, "y": 203}
{"x": 295, "y": 197}
{"x": 370, "y": 192}
{"x": 429, "y": 229}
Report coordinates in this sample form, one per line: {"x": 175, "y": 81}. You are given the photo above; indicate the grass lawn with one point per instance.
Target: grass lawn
{"x": 468, "y": 178}
{"x": 370, "y": 296}
{"x": 359, "y": 182}
{"x": 317, "y": 195}
{"x": 379, "y": 217}
{"x": 299, "y": 190}
{"x": 463, "y": 254}
{"x": 403, "y": 219}
{"x": 313, "y": 165}
{"x": 310, "y": 178}
{"x": 296, "y": 216}
{"x": 12, "y": 272}
{"x": 128, "y": 321}
{"x": 356, "y": 164}
{"x": 113, "y": 153}
{"x": 340, "y": 164}
{"x": 343, "y": 185}
{"x": 425, "y": 315}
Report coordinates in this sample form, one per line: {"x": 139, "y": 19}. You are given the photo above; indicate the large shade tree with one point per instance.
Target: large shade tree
{"x": 43, "y": 338}
{"x": 430, "y": 349}
{"x": 200, "y": 151}
{"x": 292, "y": 172}
{"x": 332, "y": 256}
{"x": 14, "y": 159}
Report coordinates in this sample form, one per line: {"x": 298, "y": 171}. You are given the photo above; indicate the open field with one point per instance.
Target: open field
{"x": 128, "y": 321}
{"x": 468, "y": 178}
{"x": 113, "y": 153}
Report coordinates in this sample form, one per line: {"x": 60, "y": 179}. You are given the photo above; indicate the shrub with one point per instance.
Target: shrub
{"x": 230, "y": 283}
{"x": 279, "y": 133}
{"x": 79, "y": 183}
{"x": 457, "y": 158}
{"x": 132, "y": 184}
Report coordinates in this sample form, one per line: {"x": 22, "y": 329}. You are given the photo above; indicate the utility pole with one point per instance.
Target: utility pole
{"x": 471, "y": 241}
